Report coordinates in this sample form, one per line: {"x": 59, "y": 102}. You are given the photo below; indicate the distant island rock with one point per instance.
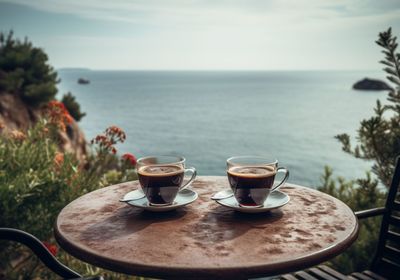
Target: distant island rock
{"x": 371, "y": 84}
{"x": 83, "y": 81}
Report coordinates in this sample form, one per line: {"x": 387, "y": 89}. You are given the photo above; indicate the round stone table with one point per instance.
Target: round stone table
{"x": 204, "y": 239}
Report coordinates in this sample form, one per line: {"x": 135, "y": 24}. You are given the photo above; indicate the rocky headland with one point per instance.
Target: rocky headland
{"x": 17, "y": 115}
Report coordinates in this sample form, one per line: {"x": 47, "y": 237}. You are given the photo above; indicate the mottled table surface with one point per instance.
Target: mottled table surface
{"x": 205, "y": 239}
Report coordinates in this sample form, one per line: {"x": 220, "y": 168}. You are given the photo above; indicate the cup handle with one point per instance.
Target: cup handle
{"x": 194, "y": 173}
{"x": 281, "y": 169}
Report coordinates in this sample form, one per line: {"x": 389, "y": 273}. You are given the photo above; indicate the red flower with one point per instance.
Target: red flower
{"x": 129, "y": 157}
{"x": 51, "y": 247}
{"x": 111, "y": 136}
{"x": 18, "y": 135}
{"x": 59, "y": 159}
{"x": 68, "y": 118}
{"x": 57, "y": 104}
{"x": 115, "y": 134}
{"x": 58, "y": 115}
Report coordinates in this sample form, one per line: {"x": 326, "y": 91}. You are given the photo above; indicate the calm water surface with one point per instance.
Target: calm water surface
{"x": 209, "y": 116}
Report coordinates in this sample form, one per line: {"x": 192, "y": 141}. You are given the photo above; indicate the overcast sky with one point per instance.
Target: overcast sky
{"x": 205, "y": 34}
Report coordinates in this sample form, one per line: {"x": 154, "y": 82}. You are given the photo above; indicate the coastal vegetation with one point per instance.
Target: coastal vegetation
{"x": 37, "y": 178}
{"x": 25, "y": 71}
{"x": 378, "y": 142}
{"x": 37, "y": 181}
{"x": 72, "y": 106}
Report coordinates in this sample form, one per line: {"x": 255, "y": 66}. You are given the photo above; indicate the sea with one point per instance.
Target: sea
{"x": 209, "y": 116}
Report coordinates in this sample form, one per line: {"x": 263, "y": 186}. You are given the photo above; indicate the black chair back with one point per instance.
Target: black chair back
{"x": 387, "y": 258}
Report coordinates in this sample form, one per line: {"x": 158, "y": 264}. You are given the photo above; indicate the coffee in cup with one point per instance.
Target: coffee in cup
{"x": 161, "y": 178}
{"x": 252, "y": 179}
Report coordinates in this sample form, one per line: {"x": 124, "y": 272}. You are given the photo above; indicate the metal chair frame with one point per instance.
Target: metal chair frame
{"x": 41, "y": 252}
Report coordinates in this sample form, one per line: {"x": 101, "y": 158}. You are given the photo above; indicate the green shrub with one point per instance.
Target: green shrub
{"x": 37, "y": 181}
{"x": 25, "y": 71}
{"x": 72, "y": 106}
{"x": 358, "y": 194}
{"x": 31, "y": 184}
{"x": 379, "y": 136}
{"x": 378, "y": 141}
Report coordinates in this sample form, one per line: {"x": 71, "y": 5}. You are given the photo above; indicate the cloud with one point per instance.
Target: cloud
{"x": 223, "y": 12}
{"x": 211, "y": 34}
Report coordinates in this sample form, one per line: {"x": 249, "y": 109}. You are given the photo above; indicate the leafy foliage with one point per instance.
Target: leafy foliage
{"x": 37, "y": 181}
{"x": 358, "y": 194}
{"x": 378, "y": 141}
{"x": 72, "y": 106}
{"x": 379, "y": 136}
{"x": 392, "y": 60}
{"x": 24, "y": 71}
{"x": 32, "y": 184}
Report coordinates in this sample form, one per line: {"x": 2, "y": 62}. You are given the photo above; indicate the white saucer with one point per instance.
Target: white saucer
{"x": 275, "y": 200}
{"x": 183, "y": 198}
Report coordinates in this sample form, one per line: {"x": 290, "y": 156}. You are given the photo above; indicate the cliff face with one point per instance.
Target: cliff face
{"x": 15, "y": 114}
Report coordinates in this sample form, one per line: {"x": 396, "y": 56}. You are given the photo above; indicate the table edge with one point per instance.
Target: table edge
{"x": 270, "y": 269}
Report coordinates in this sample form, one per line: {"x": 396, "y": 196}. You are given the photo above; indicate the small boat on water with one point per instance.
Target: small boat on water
{"x": 83, "y": 81}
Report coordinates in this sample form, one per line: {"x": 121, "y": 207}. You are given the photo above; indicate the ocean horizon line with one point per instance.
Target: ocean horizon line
{"x": 214, "y": 70}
